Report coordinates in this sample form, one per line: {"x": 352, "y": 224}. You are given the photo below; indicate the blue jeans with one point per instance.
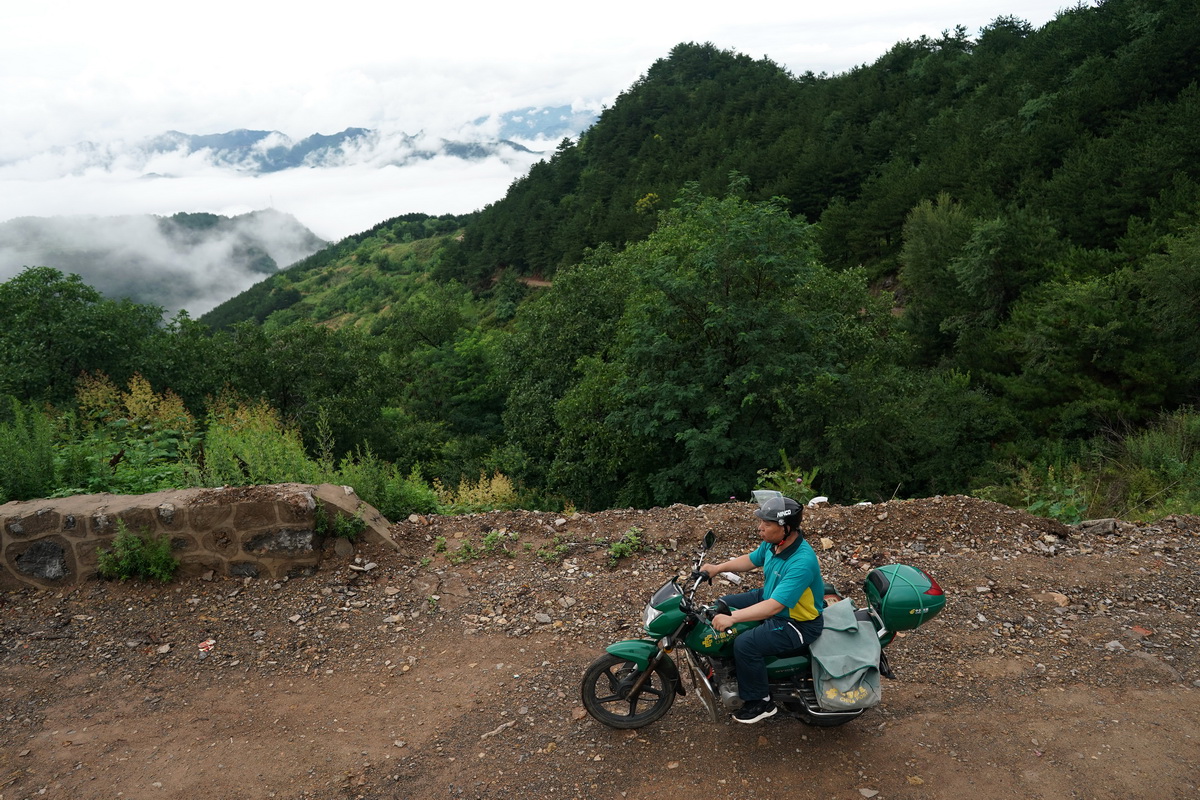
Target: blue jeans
{"x": 774, "y": 635}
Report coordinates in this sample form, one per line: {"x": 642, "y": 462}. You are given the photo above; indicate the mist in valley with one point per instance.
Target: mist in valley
{"x": 183, "y": 262}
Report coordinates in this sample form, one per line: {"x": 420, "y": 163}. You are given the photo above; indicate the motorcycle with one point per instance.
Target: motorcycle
{"x": 636, "y": 681}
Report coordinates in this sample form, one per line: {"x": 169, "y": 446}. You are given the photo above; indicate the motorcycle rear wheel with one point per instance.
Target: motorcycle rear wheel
{"x": 605, "y": 690}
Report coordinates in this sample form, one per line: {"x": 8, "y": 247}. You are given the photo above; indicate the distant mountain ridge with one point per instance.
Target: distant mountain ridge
{"x": 272, "y": 151}
{"x": 262, "y": 151}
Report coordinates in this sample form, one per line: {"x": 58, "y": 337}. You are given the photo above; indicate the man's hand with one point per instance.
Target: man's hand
{"x": 722, "y": 623}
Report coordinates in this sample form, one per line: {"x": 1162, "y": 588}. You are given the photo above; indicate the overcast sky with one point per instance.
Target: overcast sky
{"x": 78, "y": 70}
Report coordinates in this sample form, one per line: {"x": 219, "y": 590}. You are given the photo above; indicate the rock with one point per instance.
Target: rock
{"x": 43, "y": 559}
{"x": 285, "y": 541}
{"x": 543, "y": 619}
{"x": 501, "y": 728}
{"x": 868, "y": 792}
{"x": 1059, "y": 599}
{"x": 1114, "y": 646}
{"x": 826, "y": 543}
{"x": 1099, "y": 527}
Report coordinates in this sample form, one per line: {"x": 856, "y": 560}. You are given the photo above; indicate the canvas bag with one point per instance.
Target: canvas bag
{"x": 845, "y": 661}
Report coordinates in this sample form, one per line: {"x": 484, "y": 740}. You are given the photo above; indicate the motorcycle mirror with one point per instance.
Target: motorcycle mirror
{"x": 710, "y": 539}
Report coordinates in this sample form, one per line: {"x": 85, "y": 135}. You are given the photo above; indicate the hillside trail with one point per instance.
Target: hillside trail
{"x": 1063, "y": 666}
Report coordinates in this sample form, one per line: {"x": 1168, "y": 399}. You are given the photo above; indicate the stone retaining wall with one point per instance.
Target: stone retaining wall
{"x": 267, "y": 531}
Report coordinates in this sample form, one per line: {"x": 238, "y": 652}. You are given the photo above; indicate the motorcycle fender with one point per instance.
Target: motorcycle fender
{"x": 640, "y": 652}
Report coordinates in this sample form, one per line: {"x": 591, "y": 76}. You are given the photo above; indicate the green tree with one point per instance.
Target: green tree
{"x": 541, "y": 356}
{"x": 728, "y": 313}
{"x": 57, "y": 327}
{"x": 309, "y": 373}
{"x": 934, "y": 235}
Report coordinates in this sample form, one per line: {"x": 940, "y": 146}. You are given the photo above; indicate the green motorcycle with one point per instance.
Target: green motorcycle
{"x": 635, "y": 682}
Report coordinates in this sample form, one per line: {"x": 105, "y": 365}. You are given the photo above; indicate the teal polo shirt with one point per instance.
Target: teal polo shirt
{"x": 792, "y": 578}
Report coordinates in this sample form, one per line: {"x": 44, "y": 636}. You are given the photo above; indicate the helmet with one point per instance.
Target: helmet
{"x": 782, "y": 510}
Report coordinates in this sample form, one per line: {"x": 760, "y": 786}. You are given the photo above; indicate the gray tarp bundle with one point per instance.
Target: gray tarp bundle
{"x": 845, "y": 661}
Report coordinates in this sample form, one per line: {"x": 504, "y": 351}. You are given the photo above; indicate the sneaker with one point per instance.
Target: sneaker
{"x": 755, "y": 711}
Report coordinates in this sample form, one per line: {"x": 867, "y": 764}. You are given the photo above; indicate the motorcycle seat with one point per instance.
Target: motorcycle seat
{"x": 784, "y": 664}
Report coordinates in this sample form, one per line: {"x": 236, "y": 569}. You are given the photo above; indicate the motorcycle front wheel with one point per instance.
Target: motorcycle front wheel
{"x": 607, "y": 693}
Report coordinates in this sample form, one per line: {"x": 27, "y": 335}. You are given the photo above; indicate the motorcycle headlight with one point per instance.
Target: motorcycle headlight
{"x": 649, "y": 614}
{"x": 668, "y": 591}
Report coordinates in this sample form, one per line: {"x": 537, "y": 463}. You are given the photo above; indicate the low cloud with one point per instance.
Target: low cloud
{"x": 336, "y": 185}
{"x": 84, "y": 208}
{"x": 155, "y": 260}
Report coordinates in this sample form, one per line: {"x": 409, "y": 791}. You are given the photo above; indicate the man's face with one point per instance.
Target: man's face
{"x": 771, "y": 532}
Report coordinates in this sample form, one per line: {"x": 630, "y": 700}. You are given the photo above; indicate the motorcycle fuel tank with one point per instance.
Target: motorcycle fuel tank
{"x": 703, "y": 639}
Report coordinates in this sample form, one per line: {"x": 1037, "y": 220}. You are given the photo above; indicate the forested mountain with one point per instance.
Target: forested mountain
{"x": 973, "y": 265}
{"x": 1081, "y": 126}
{"x": 350, "y": 281}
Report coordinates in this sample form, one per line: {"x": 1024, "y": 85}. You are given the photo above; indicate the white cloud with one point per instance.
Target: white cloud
{"x": 333, "y": 201}
{"x": 74, "y": 71}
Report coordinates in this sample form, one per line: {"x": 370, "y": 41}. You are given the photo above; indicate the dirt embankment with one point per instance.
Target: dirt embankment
{"x": 1063, "y": 666}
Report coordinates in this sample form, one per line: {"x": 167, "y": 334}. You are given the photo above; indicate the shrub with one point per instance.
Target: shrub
{"x": 626, "y": 546}
{"x": 137, "y": 556}
{"x": 247, "y": 443}
{"x": 1156, "y": 471}
{"x": 383, "y": 485}
{"x": 125, "y": 442}
{"x": 486, "y": 494}
{"x": 342, "y": 526}
{"x": 26, "y": 455}
{"x": 1058, "y": 488}
{"x": 789, "y": 481}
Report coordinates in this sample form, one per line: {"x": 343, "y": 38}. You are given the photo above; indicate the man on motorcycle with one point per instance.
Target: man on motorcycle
{"x": 789, "y": 603}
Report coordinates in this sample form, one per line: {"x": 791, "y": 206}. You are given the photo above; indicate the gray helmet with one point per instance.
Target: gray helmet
{"x": 783, "y": 510}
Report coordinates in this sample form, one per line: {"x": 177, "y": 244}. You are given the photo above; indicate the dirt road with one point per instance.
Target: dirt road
{"x": 1064, "y": 666}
